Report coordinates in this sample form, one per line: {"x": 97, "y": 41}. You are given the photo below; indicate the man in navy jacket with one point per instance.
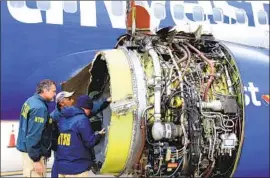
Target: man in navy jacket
{"x": 35, "y": 130}
{"x": 76, "y": 139}
{"x": 62, "y": 99}
{"x": 65, "y": 99}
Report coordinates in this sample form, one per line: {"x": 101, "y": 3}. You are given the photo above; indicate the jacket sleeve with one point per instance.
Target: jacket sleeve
{"x": 55, "y": 115}
{"x": 55, "y": 131}
{"x": 99, "y": 106}
{"x": 52, "y": 115}
{"x": 37, "y": 120}
{"x": 89, "y": 138}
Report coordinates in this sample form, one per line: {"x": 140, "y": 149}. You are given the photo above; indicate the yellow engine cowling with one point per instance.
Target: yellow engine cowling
{"x": 123, "y": 138}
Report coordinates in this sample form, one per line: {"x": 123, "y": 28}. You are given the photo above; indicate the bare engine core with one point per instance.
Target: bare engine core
{"x": 194, "y": 116}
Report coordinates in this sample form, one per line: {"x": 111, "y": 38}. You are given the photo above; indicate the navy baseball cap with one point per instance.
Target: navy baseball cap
{"x": 84, "y": 101}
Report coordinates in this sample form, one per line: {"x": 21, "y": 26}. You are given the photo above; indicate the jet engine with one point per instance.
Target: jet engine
{"x": 177, "y": 105}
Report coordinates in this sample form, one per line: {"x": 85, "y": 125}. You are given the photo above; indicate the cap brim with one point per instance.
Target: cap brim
{"x": 69, "y": 94}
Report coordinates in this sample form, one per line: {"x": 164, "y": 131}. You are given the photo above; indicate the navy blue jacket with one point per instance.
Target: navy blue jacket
{"x": 75, "y": 141}
{"x": 35, "y": 129}
{"x": 56, "y": 115}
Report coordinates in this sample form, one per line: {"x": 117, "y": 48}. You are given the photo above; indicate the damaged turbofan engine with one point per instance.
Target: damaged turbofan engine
{"x": 177, "y": 106}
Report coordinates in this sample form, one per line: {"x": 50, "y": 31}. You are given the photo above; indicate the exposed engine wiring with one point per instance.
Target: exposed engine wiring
{"x": 198, "y": 126}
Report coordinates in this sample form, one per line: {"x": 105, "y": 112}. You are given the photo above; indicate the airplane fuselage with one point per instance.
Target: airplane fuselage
{"x": 55, "y": 40}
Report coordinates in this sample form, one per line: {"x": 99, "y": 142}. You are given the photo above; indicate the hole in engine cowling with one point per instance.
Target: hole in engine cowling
{"x": 98, "y": 90}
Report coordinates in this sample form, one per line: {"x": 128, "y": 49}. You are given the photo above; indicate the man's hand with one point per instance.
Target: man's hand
{"x": 109, "y": 99}
{"x": 39, "y": 168}
{"x": 102, "y": 132}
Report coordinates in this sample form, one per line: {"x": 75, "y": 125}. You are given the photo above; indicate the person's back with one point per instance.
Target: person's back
{"x": 75, "y": 142}
{"x": 64, "y": 99}
{"x": 33, "y": 105}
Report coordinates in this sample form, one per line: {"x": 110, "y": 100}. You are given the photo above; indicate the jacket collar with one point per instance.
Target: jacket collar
{"x": 42, "y": 99}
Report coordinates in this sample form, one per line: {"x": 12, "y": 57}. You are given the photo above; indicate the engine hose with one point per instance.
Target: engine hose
{"x": 189, "y": 60}
{"x": 145, "y": 123}
{"x": 143, "y": 130}
{"x": 210, "y": 170}
{"x": 212, "y": 69}
{"x": 184, "y": 58}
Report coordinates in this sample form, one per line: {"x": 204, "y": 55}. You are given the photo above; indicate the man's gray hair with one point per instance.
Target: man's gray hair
{"x": 44, "y": 84}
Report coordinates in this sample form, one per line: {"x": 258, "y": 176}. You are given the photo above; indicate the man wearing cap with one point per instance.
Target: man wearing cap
{"x": 62, "y": 99}
{"x": 76, "y": 138}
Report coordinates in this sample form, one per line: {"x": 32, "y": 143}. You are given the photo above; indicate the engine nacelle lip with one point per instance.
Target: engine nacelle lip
{"x": 241, "y": 139}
